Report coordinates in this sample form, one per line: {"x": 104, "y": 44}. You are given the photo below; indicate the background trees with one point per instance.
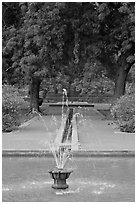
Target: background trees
{"x": 90, "y": 45}
{"x": 117, "y": 23}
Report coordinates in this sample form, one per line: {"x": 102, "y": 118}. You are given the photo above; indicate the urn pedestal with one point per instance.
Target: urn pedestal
{"x": 60, "y": 176}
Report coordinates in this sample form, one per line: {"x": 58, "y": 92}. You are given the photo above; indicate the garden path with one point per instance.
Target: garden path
{"x": 95, "y": 134}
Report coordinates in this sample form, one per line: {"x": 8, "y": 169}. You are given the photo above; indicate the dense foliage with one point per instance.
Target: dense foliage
{"x": 123, "y": 112}
{"x": 87, "y": 47}
{"x": 47, "y": 37}
{"x": 13, "y": 106}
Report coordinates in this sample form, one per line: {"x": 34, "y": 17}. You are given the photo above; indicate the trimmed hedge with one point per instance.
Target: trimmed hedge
{"x": 123, "y": 113}
{"x": 12, "y": 107}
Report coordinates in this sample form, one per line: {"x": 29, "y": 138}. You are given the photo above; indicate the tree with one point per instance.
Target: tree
{"x": 50, "y": 38}
{"x": 45, "y": 43}
{"x": 11, "y": 18}
{"x": 106, "y": 31}
{"x": 117, "y": 26}
{"x": 36, "y": 46}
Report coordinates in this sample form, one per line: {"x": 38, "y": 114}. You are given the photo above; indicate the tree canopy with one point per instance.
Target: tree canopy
{"x": 42, "y": 40}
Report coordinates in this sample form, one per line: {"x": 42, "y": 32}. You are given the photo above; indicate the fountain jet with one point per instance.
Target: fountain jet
{"x": 62, "y": 150}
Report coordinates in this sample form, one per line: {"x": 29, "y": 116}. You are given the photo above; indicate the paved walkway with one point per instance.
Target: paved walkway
{"x": 93, "y": 130}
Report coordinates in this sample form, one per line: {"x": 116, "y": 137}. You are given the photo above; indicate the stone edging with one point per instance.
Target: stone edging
{"x": 46, "y": 153}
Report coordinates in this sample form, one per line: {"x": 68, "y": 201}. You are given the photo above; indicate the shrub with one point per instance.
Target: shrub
{"x": 123, "y": 112}
{"x": 12, "y": 105}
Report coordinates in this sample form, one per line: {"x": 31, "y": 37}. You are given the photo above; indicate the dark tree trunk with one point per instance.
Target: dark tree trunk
{"x": 121, "y": 77}
{"x": 55, "y": 88}
{"x": 34, "y": 94}
{"x": 120, "y": 82}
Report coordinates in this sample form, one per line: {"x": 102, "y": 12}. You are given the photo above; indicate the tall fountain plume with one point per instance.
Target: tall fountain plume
{"x": 62, "y": 150}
